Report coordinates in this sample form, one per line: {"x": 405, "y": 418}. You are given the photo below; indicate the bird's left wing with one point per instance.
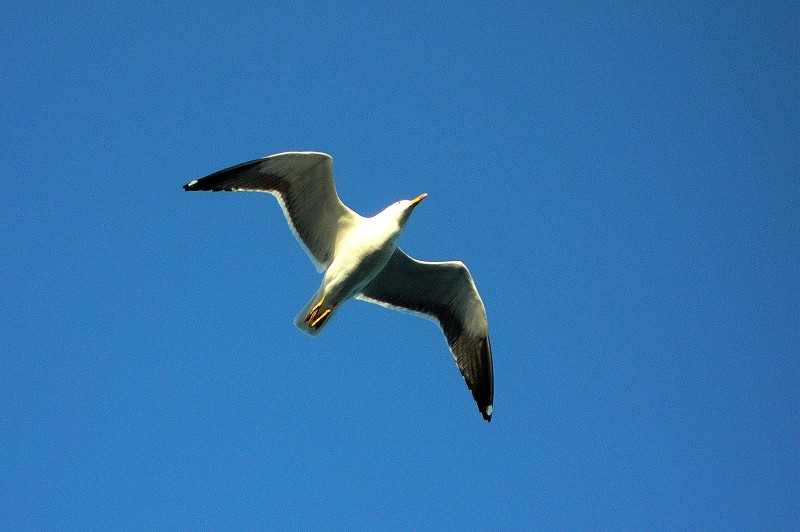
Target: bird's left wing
{"x": 446, "y": 293}
{"x": 303, "y": 184}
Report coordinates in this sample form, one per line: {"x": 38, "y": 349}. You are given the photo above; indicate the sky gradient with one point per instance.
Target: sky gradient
{"x": 622, "y": 181}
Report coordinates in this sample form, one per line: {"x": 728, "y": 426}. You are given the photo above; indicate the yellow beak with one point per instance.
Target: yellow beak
{"x": 418, "y": 199}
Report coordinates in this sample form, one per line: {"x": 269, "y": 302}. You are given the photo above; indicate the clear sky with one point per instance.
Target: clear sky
{"x": 623, "y": 181}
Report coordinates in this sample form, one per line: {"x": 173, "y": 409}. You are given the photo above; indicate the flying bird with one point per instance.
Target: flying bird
{"x": 360, "y": 258}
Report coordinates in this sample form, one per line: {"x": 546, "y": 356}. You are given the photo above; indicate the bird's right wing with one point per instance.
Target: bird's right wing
{"x": 303, "y": 184}
{"x": 446, "y": 293}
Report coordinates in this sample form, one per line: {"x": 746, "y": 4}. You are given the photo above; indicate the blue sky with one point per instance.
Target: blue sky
{"x": 622, "y": 181}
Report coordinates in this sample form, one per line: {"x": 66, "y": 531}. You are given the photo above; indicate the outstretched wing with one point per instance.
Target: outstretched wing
{"x": 445, "y": 292}
{"x": 303, "y": 184}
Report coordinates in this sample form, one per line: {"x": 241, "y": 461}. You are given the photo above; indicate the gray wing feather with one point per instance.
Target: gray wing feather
{"x": 303, "y": 184}
{"x": 446, "y": 293}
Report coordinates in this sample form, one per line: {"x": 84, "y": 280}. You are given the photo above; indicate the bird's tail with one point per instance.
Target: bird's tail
{"x": 315, "y": 314}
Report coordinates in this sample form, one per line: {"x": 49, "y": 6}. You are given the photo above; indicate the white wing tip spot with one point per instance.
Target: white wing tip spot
{"x": 191, "y": 183}
{"x": 489, "y": 410}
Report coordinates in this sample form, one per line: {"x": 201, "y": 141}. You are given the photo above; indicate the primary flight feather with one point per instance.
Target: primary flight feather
{"x": 360, "y": 258}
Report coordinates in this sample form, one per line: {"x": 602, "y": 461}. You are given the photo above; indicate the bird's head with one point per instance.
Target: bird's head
{"x": 405, "y": 207}
{"x": 400, "y": 211}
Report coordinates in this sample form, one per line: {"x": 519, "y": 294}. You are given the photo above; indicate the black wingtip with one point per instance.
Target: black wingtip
{"x": 487, "y": 413}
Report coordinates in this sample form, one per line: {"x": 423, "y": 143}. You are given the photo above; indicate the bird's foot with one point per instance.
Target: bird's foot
{"x": 319, "y": 320}
{"x": 315, "y": 318}
{"x": 314, "y": 311}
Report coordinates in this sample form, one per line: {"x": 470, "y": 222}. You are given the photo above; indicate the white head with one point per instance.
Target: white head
{"x": 401, "y": 210}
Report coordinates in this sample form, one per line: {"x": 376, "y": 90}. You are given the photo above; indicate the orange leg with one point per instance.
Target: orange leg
{"x": 315, "y": 309}
{"x": 319, "y": 320}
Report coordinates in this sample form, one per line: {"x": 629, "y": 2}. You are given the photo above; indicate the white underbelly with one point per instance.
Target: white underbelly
{"x": 356, "y": 263}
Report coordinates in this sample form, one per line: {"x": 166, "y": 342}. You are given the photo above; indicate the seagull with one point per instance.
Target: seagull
{"x": 360, "y": 258}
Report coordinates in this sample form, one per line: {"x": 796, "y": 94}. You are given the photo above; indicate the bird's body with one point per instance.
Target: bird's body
{"x": 373, "y": 241}
{"x": 360, "y": 258}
